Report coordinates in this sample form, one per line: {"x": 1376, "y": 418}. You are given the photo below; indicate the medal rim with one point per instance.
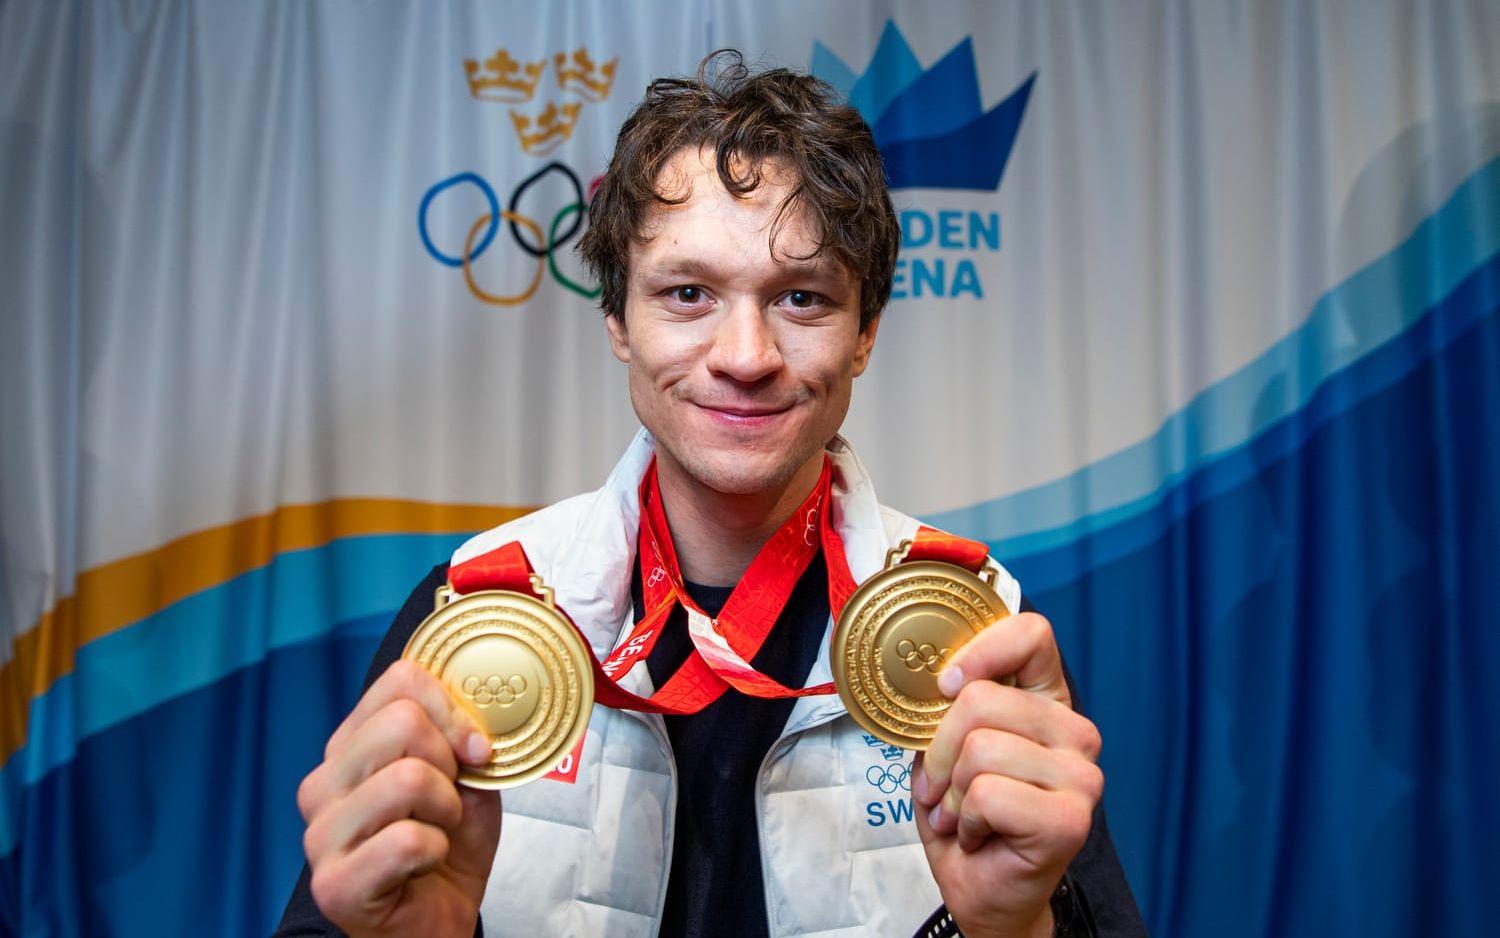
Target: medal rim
{"x": 877, "y": 582}
{"x": 573, "y": 644}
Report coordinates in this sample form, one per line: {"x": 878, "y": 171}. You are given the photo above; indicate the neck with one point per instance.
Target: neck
{"x": 718, "y": 534}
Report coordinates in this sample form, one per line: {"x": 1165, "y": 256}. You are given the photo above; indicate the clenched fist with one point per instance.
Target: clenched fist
{"x": 395, "y": 847}
{"x": 1006, "y": 792}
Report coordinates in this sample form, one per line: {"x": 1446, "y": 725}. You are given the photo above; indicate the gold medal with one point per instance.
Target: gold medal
{"x": 520, "y": 668}
{"x": 896, "y": 633}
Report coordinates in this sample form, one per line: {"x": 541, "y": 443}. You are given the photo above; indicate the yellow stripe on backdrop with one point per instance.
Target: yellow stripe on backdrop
{"x": 110, "y": 597}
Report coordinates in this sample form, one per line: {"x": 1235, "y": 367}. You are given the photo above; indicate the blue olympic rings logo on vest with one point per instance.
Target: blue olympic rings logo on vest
{"x": 888, "y": 778}
{"x": 541, "y": 246}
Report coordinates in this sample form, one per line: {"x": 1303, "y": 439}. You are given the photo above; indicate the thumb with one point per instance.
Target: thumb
{"x": 472, "y": 844}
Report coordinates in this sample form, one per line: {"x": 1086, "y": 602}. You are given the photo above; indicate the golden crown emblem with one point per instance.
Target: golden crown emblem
{"x": 501, "y": 78}
{"x": 578, "y": 73}
{"x": 551, "y": 127}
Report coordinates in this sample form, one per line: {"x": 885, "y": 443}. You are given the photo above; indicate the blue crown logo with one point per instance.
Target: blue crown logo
{"x": 931, "y": 128}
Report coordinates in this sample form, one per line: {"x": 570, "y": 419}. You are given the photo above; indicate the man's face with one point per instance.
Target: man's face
{"x": 741, "y": 363}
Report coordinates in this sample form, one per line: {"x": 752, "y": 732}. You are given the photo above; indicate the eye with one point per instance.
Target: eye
{"x": 805, "y": 301}
{"x": 688, "y": 295}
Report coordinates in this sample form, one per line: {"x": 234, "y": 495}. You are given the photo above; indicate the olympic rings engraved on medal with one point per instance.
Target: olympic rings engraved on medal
{"x": 888, "y": 778}
{"x": 916, "y": 657}
{"x": 432, "y": 193}
{"x": 529, "y": 745}
{"x": 494, "y": 689}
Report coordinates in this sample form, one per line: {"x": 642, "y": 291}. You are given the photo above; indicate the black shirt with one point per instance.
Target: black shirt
{"x": 715, "y": 886}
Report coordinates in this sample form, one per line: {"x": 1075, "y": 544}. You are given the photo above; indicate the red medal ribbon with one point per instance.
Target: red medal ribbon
{"x": 932, "y": 544}
{"x": 723, "y": 646}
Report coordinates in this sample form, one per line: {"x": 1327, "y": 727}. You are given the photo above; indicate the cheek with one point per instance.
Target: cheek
{"x": 827, "y": 367}
{"x": 659, "y": 360}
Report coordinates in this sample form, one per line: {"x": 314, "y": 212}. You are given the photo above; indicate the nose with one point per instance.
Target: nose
{"x": 744, "y": 346}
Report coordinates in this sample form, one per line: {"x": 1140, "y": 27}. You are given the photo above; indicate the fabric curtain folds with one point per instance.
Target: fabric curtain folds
{"x": 1194, "y": 324}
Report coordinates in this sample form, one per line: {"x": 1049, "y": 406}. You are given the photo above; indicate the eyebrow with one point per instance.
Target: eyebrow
{"x": 689, "y": 267}
{"x": 677, "y": 267}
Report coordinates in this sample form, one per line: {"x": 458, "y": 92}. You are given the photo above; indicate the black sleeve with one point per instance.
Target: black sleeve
{"x": 302, "y": 918}
{"x": 1094, "y": 899}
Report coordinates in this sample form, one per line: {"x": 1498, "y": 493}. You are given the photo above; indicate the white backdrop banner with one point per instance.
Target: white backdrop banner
{"x": 1194, "y": 322}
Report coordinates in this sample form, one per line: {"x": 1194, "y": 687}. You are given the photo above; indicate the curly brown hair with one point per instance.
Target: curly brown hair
{"x": 748, "y": 117}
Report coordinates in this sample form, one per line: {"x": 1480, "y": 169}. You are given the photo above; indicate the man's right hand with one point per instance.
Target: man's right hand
{"x": 394, "y": 845}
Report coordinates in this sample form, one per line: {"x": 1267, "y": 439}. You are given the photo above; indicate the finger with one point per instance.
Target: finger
{"x": 400, "y": 729}
{"x": 407, "y": 788}
{"x": 996, "y": 706}
{"x": 1044, "y": 828}
{"x": 408, "y": 680}
{"x": 996, "y": 752}
{"x": 359, "y": 888}
{"x": 922, "y": 816}
{"x": 472, "y": 843}
{"x": 1021, "y": 646}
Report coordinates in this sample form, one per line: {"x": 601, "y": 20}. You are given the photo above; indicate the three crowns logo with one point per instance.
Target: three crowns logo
{"x": 502, "y": 78}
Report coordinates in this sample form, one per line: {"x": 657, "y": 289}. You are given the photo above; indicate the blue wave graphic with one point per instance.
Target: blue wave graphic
{"x": 1476, "y": 298}
{"x": 175, "y": 652}
{"x": 930, "y": 126}
{"x": 1350, "y": 320}
{"x": 1294, "y": 674}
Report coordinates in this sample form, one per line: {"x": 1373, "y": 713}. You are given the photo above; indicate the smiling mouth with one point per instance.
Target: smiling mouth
{"x": 746, "y": 411}
{"x": 743, "y": 416}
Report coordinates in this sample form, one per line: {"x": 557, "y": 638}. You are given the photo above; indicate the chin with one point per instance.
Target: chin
{"x": 741, "y": 473}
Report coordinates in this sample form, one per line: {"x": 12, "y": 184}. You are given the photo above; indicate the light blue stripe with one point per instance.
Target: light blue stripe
{"x": 1358, "y": 315}
{"x": 200, "y": 639}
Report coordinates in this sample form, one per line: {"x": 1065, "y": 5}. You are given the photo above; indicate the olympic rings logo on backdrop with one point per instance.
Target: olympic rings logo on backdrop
{"x": 525, "y": 231}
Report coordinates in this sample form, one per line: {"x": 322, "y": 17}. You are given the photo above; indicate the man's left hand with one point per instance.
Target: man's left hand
{"x": 1006, "y": 792}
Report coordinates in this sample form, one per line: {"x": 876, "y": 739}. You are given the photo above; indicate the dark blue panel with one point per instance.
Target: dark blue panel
{"x": 1305, "y": 661}
{"x": 183, "y": 820}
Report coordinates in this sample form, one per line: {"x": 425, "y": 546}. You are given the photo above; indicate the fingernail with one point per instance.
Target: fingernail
{"x": 951, "y": 681}
{"x": 477, "y": 749}
{"x": 935, "y": 815}
{"x": 919, "y": 786}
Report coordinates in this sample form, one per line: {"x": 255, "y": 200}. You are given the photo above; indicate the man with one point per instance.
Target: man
{"x": 745, "y": 242}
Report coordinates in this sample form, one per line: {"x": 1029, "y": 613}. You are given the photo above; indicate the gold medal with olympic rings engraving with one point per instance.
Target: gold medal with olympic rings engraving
{"x": 518, "y": 666}
{"x": 898, "y": 630}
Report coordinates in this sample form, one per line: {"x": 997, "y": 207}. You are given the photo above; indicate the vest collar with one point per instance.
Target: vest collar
{"x": 590, "y": 568}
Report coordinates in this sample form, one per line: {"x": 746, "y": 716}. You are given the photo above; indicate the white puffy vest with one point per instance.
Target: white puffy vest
{"x": 839, "y": 851}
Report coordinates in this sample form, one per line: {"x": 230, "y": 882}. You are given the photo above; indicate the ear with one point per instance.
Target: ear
{"x": 865, "y": 345}
{"x": 619, "y": 339}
